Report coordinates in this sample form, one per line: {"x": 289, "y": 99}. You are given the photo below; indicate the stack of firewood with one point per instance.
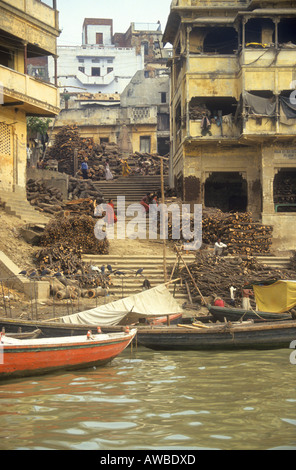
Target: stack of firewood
{"x": 81, "y": 189}
{"x": 285, "y": 190}
{"x": 68, "y": 140}
{"x": 78, "y": 231}
{"x": 43, "y": 197}
{"x": 81, "y": 194}
{"x": 215, "y": 275}
{"x": 238, "y": 232}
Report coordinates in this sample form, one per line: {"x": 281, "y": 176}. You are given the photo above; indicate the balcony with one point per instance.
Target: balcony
{"x": 31, "y": 21}
{"x": 36, "y": 9}
{"x": 28, "y": 93}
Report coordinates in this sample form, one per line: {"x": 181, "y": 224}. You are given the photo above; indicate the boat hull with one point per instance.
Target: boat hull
{"x": 236, "y": 314}
{"x": 223, "y": 337}
{"x": 34, "y": 357}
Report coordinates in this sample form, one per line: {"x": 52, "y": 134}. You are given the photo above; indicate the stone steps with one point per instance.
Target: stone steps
{"x": 130, "y": 283}
{"x": 17, "y": 205}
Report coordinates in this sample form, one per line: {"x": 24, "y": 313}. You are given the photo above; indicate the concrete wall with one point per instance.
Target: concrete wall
{"x": 9, "y": 274}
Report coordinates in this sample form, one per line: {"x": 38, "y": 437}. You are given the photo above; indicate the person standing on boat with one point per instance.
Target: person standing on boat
{"x": 232, "y": 296}
{"x": 246, "y": 305}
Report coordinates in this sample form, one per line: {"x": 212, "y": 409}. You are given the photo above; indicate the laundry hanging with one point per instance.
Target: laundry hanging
{"x": 259, "y": 105}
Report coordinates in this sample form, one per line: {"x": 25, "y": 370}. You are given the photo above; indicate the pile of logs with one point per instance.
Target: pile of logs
{"x": 62, "y": 244}
{"x": 76, "y": 232}
{"x": 69, "y": 277}
{"x": 68, "y": 140}
{"x": 238, "y": 232}
{"x": 49, "y": 199}
{"x": 215, "y": 275}
{"x": 45, "y": 198}
{"x": 285, "y": 190}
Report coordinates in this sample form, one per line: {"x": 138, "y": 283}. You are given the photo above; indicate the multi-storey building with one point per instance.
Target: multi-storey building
{"x": 98, "y": 65}
{"x": 233, "y": 112}
{"x": 28, "y": 28}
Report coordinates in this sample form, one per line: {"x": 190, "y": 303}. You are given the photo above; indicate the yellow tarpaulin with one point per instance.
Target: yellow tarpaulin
{"x": 276, "y": 298}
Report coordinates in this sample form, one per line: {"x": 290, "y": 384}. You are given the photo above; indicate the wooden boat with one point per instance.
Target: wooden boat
{"x": 27, "y": 357}
{"x": 239, "y": 314}
{"x": 273, "y": 335}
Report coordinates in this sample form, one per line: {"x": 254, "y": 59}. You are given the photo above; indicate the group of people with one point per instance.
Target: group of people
{"x": 85, "y": 170}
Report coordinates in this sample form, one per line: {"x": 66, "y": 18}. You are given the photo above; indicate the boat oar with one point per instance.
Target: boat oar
{"x": 192, "y": 327}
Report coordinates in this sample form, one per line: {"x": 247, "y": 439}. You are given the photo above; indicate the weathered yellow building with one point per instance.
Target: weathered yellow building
{"x": 28, "y": 28}
{"x": 233, "y": 110}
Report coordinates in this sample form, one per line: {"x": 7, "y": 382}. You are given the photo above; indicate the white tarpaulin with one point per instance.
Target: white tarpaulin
{"x": 155, "y": 302}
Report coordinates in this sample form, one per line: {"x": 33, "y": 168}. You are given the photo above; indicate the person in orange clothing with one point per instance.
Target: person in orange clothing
{"x": 219, "y": 302}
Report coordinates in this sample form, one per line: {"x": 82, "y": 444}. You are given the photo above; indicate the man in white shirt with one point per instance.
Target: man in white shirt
{"x": 219, "y": 248}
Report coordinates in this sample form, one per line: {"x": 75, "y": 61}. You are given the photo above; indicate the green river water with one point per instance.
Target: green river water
{"x": 146, "y": 400}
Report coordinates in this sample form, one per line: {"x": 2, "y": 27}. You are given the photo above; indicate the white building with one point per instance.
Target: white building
{"x": 97, "y": 66}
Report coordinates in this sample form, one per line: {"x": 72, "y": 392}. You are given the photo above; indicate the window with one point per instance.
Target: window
{"x": 96, "y": 71}
{"x": 99, "y": 38}
{"x": 163, "y": 97}
{"x": 81, "y": 69}
{"x": 5, "y": 139}
{"x": 145, "y": 144}
{"x": 146, "y": 47}
{"x": 96, "y": 61}
{"x": 109, "y": 69}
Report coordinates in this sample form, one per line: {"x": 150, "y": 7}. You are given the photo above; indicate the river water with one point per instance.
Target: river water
{"x": 146, "y": 400}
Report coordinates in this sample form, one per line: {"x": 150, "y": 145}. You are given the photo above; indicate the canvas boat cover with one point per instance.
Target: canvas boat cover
{"x": 155, "y": 302}
{"x": 278, "y": 297}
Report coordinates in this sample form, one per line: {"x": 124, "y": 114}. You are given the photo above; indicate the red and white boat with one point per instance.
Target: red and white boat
{"x": 27, "y": 357}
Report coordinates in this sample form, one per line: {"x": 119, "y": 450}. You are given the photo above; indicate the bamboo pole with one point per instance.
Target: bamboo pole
{"x": 163, "y": 227}
{"x": 189, "y": 272}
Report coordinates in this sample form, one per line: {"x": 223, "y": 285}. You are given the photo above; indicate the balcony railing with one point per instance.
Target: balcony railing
{"x": 39, "y": 96}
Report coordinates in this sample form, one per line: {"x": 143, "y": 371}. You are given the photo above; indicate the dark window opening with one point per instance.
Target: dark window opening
{"x": 6, "y": 57}
{"x": 146, "y": 47}
{"x": 163, "y": 122}
{"x": 81, "y": 69}
{"x": 163, "y": 97}
{"x": 96, "y": 71}
{"x": 287, "y": 30}
{"x": 163, "y": 146}
{"x": 284, "y": 190}
{"x": 226, "y": 191}
{"x": 99, "y": 38}
{"x": 259, "y": 31}
{"x": 178, "y": 118}
{"x": 221, "y": 41}
{"x": 109, "y": 69}
{"x": 212, "y": 107}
